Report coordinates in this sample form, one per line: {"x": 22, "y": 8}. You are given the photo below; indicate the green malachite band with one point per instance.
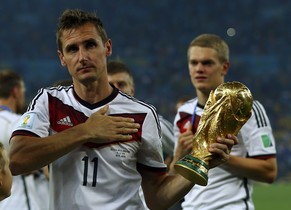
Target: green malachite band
{"x": 193, "y": 168}
{"x": 201, "y": 162}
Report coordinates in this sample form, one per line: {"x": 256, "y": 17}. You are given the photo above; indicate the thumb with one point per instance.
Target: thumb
{"x": 103, "y": 110}
{"x": 189, "y": 128}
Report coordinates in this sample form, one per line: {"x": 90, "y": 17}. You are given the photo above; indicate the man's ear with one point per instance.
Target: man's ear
{"x": 226, "y": 67}
{"x": 14, "y": 91}
{"x": 108, "y": 46}
{"x": 61, "y": 56}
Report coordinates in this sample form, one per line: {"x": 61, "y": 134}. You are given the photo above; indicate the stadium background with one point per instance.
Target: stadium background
{"x": 152, "y": 38}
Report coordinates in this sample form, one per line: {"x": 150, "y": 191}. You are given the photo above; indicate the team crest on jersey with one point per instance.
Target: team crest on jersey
{"x": 266, "y": 141}
{"x": 27, "y": 121}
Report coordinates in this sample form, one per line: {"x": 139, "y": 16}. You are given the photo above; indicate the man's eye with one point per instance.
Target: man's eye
{"x": 207, "y": 63}
{"x": 72, "y": 49}
{"x": 193, "y": 63}
{"x": 91, "y": 45}
{"x": 121, "y": 84}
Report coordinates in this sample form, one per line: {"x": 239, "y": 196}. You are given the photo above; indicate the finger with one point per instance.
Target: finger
{"x": 189, "y": 128}
{"x": 121, "y": 120}
{"x": 222, "y": 152}
{"x": 129, "y": 125}
{"x": 228, "y": 142}
{"x": 219, "y": 148}
{"x": 124, "y": 130}
{"x": 121, "y": 137}
{"x": 234, "y": 138}
{"x": 188, "y": 143}
{"x": 103, "y": 110}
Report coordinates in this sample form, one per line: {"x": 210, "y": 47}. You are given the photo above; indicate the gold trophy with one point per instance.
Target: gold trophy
{"x": 226, "y": 111}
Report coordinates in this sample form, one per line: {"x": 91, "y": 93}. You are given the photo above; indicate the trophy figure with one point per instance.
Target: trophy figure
{"x": 226, "y": 111}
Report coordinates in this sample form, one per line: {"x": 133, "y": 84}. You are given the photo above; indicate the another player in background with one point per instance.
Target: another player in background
{"x": 100, "y": 143}
{"x": 12, "y": 100}
{"x": 253, "y": 159}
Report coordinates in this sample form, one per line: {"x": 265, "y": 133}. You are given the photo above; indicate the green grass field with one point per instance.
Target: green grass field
{"x": 272, "y": 197}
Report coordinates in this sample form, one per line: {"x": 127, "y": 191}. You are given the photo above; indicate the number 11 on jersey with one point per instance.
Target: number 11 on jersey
{"x": 86, "y": 170}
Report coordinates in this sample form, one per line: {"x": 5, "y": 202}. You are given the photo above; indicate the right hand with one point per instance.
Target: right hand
{"x": 184, "y": 147}
{"x": 185, "y": 143}
{"x": 103, "y": 129}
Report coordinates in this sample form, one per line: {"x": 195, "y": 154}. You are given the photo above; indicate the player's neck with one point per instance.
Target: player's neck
{"x": 7, "y": 104}
{"x": 202, "y": 98}
{"x": 93, "y": 93}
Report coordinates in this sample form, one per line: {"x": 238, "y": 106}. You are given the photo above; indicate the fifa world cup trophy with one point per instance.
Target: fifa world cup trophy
{"x": 227, "y": 109}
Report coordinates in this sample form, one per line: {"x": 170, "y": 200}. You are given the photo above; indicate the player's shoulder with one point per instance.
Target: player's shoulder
{"x": 8, "y": 116}
{"x": 258, "y": 108}
{"x": 56, "y": 91}
{"x": 59, "y": 88}
{"x": 257, "y": 103}
{"x": 137, "y": 103}
{"x": 259, "y": 116}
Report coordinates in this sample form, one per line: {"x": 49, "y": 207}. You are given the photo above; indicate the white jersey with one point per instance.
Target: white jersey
{"x": 168, "y": 139}
{"x": 95, "y": 176}
{"x": 225, "y": 191}
{"x": 23, "y": 195}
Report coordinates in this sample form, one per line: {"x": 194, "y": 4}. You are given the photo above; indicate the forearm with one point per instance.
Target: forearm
{"x": 31, "y": 153}
{"x": 262, "y": 170}
{"x": 172, "y": 189}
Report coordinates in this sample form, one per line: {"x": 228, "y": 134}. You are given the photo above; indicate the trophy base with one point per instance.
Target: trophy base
{"x": 193, "y": 169}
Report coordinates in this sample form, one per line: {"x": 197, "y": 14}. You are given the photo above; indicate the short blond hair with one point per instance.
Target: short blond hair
{"x": 212, "y": 41}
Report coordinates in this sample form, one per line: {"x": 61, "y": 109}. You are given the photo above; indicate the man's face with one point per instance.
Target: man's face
{"x": 84, "y": 53}
{"x": 122, "y": 81}
{"x": 205, "y": 69}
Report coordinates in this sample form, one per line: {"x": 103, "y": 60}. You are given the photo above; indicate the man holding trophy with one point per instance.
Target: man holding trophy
{"x": 100, "y": 143}
{"x": 221, "y": 108}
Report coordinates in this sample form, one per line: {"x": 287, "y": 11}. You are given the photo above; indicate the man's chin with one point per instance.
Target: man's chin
{"x": 88, "y": 80}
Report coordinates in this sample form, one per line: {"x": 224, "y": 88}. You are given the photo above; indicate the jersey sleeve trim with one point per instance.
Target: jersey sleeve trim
{"x": 152, "y": 169}
{"x": 23, "y": 133}
{"x": 263, "y": 157}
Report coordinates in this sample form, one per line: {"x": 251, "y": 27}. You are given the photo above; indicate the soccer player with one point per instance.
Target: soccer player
{"x": 101, "y": 144}
{"x": 254, "y": 158}
{"x": 12, "y": 100}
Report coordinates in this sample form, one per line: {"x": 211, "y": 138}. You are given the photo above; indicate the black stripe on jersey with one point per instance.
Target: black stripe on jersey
{"x": 151, "y": 107}
{"x": 33, "y": 102}
{"x": 259, "y": 114}
{"x": 41, "y": 91}
{"x": 60, "y": 87}
{"x": 247, "y": 190}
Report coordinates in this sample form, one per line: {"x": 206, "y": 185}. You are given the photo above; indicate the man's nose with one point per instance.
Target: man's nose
{"x": 83, "y": 55}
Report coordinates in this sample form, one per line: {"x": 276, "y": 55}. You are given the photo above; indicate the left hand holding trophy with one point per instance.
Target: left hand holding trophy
{"x": 227, "y": 109}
